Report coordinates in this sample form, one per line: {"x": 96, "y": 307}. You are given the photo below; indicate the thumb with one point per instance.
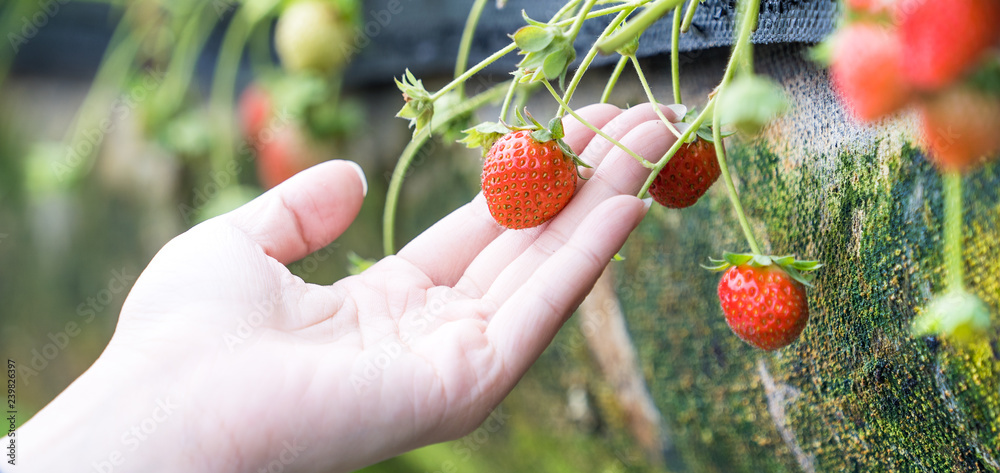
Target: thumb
{"x": 304, "y": 213}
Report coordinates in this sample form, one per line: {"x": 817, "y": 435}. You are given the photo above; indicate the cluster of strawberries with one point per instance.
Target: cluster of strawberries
{"x": 939, "y": 56}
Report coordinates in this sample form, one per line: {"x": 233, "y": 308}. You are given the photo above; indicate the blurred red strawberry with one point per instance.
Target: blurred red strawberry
{"x": 961, "y": 127}
{"x": 255, "y": 110}
{"x": 942, "y": 40}
{"x": 283, "y": 154}
{"x": 870, "y": 6}
{"x": 866, "y": 71}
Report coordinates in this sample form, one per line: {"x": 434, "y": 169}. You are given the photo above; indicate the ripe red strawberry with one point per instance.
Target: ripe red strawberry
{"x": 763, "y": 305}
{"x": 961, "y": 127}
{"x": 255, "y": 111}
{"x": 527, "y": 182}
{"x": 282, "y": 155}
{"x": 687, "y": 176}
{"x": 867, "y": 71}
{"x": 764, "y": 297}
{"x": 942, "y": 40}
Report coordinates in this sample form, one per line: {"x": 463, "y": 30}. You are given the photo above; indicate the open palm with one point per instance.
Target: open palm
{"x": 417, "y": 349}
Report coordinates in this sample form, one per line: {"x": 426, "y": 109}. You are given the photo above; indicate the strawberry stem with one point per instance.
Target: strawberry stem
{"x": 589, "y": 58}
{"x": 475, "y": 69}
{"x": 505, "y": 108}
{"x": 689, "y": 15}
{"x": 593, "y": 128}
{"x": 675, "y": 57}
{"x": 635, "y": 28}
{"x": 953, "y": 229}
{"x": 652, "y": 98}
{"x": 406, "y": 158}
{"x": 614, "y": 78}
{"x": 740, "y": 51}
{"x": 465, "y": 44}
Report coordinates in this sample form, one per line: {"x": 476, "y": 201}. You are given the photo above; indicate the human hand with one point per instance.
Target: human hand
{"x": 235, "y": 363}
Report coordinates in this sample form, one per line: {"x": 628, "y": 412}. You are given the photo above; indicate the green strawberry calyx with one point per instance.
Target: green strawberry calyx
{"x": 799, "y": 270}
{"x": 547, "y": 51}
{"x": 419, "y": 108}
{"x": 485, "y": 134}
{"x": 957, "y": 315}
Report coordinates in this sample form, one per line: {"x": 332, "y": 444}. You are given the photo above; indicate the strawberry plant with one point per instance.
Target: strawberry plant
{"x": 522, "y": 192}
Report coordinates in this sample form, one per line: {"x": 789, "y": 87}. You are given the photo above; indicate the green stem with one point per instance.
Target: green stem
{"x": 740, "y": 49}
{"x": 410, "y": 152}
{"x": 465, "y": 44}
{"x": 953, "y": 230}
{"x": 675, "y": 147}
{"x": 471, "y": 72}
{"x": 505, "y": 108}
{"x": 615, "y": 74}
{"x": 675, "y": 55}
{"x": 593, "y": 128}
{"x": 603, "y": 12}
{"x": 652, "y": 98}
{"x": 689, "y": 16}
{"x": 580, "y": 16}
{"x": 634, "y": 28}
{"x": 223, "y": 87}
{"x": 565, "y": 9}
{"x": 180, "y": 70}
{"x": 589, "y": 58}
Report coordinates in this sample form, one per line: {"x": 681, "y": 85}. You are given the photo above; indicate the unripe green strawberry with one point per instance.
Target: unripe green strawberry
{"x": 527, "y": 182}
{"x": 687, "y": 176}
{"x": 763, "y": 305}
{"x": 313, "y": 35}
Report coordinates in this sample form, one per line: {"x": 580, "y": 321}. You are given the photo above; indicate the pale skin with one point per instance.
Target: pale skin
{"x": 223, "y": 361}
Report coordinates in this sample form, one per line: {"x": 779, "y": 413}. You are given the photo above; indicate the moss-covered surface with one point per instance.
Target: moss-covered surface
{"x": 856, "y": 392}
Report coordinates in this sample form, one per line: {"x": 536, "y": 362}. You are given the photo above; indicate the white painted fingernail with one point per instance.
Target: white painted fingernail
{"x": 679, "y": 110}
{"x": 361, "y": 174}
{"x": 647, "y": 202}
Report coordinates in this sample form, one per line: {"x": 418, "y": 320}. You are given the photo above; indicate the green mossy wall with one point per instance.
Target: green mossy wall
{"x": 856, "y": 392}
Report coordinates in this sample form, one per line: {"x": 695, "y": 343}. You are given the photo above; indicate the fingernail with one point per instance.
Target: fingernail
{"x": 647, "y": 202}
{"x": 679, "y": 109}
{"x": 361, "y": 174}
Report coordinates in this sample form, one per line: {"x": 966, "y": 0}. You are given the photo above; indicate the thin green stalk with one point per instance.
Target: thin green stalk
{"x": 565, "y": 9}
{"x": 689, "y": 15}
{"x": 410, "y": 152}
{"x": 471, "y": 72}
{"x": 603, "y": 12}
{"x": 675, "y": 147}
{"x": 587, "y": 124}
{"x": 615, "y": 74}
{"x": 180, "y": 70}
{"x": 465, "y": 44}
{"x": 589, "y": 58}
{"x": 223, "y": 87}
{"x": 740, "y": 49}
{"x": 652, "y": 98}
{"x": 642, "y": 21}
{"x": 675, "y": 55}
{"x": 953, "y": 230}
{"x": 582, "y": 15}
{"x": 505, "y": 108}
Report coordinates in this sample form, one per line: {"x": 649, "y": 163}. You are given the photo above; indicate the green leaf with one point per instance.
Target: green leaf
{"x": 555, "y": 64}
{"x": 483, "y": 135}
{"x": 356, "y": 264}
{"x": 807, "y": 265}
{"x": 958, "y": 316}
{"x": 533, "y": 38}
{"x": 750, "y": 102}
{"x": 618, "y": 257}
{"x": 737, "y": 259}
